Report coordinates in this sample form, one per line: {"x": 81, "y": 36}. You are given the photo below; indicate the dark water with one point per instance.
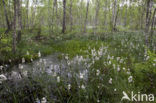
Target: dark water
{"x": 51, "y": 65}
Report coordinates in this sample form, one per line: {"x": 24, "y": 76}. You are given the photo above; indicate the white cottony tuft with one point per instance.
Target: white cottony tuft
{"x": 23, "y": 60}
{"x": 58, "y": 79}
{"x": 28, "y": 53}
{"x": 124, "y": 68}
{"x": 115, "y": 90}
{"x": 44, "y": 100}
{"x": 1, "y": 67}
{"x": 20, "y": 66}
{"x": 81, "y": 76}
{"x": 2, "y": 78}
{"x": 110, "y": 81}
{"x": 109, "y": 62}
{"x": 130, "y": 79}
{"x": 69, "y": 86}
{"x": 10, "y": 60}
{"x": 66, "y": 57}
{"x": 39, "y": 54}
{"x": 97, "y": 72}
{"x": 118, "y": 68}
{"x": 82, "y": 86}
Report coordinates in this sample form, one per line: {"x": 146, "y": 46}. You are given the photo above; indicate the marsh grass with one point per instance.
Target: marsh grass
{"x": 123, "y": 55}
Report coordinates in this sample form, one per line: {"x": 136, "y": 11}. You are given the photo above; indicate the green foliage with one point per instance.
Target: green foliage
{"x": 6, "y": 50}
{"x": 145, "y": 73}
{"x": 22, "y": 93}
{"x": 4, "y": 41}
{"x": 128, "y": 46}
{"x": 76, "y": 47}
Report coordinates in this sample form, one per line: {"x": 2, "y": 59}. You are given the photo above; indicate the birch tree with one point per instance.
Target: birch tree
{"x": 19, "y": 15}
{"x": 96, "y": 14}
{"x": 14, "y": 28}
{"x": 64, "y": 17}
{"x": 71, "y": 17}
{"x": 114, "y": 15}
{"x": 27, "y": 13}
{"x": 148, "y": 20}
{"x": 6, "y": 17}
{"x": 86, "y": 18}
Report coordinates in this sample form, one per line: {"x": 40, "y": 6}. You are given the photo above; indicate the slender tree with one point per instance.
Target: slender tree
{"x": 27, "y": 13}
{"x": 14, "y": 29}
{"x": 64, "y": 17}
{"x": 54, "y": 14}
{"x": 71, "y": 17}
{"x": 96, "y": 15}
{"x": 19, "y": 15}
{"x": 86, "y": 18}
{"x": 6, "y": 17}
{"x": 114, "y": 15}
{"x": 148, "y": 19}
{"x": 125, "y": 17}
{"x": 34, "y": 11}
{"x": 142, "y": 10}
{"x": 106, "y": 10}
{"x": 56, "y": 7}
{"x": 152, "y": 26}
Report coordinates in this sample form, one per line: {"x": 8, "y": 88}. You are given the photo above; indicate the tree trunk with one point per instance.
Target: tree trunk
{"x": 115, "y": 21}
{"x": 56, "y": 6}
{"x": 57, "y": 16}
{"x": 125, "y": 18}
{"x": 148, "y": 15}
{"x": 142, "y": 10}
{"x": 105, "y": 12}
{"x": 80, "y": 17}
{"x": 71, "y": 18}
{"x": 153, "y": 20}
{"x": 114, "y": 15}
{"x": 86, "y": 19}
{"x": 64, "y": 17}
{"x": 19, "y": 15}
{"x": 34, "y": 9}
{"x": 27, "y": 15}
{"x": 148, "y": 20}
{"x": 14, "y": 29}
{"x": 6, "y": 17}
{"x": 53, "y": 16}
{"x": 96, "y": 15}
{"x": 152, "y": 25}
{"x": 49, "y": 17}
